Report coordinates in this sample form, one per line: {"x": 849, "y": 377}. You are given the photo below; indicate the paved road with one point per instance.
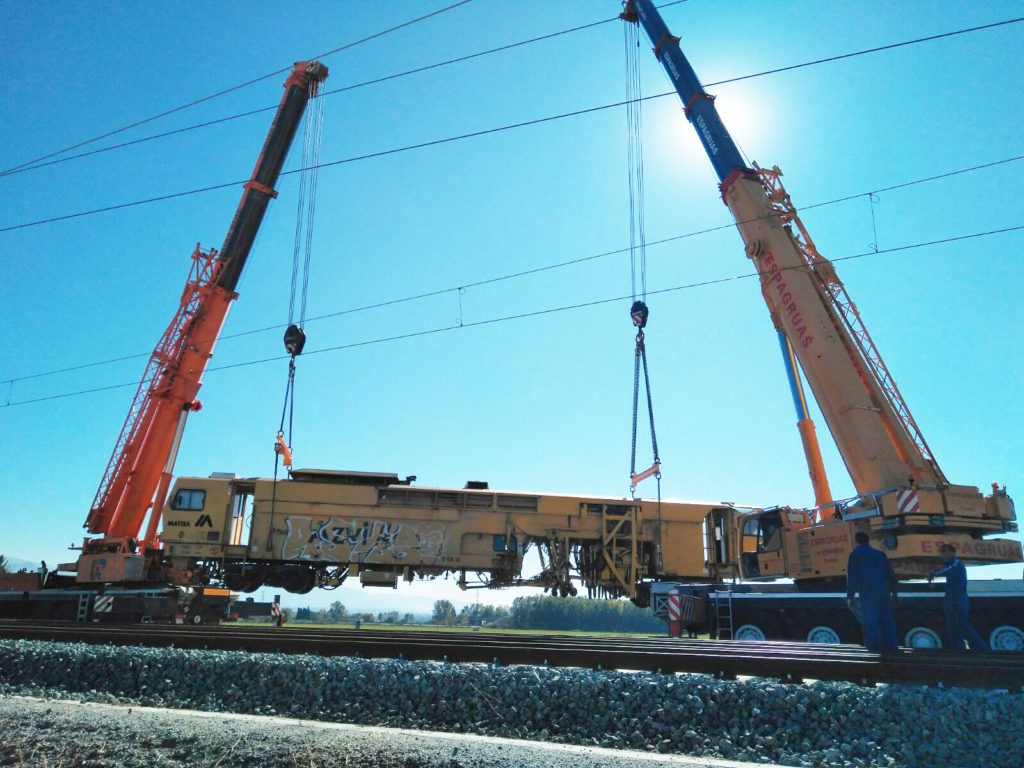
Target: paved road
{"x": 38, "y": 732}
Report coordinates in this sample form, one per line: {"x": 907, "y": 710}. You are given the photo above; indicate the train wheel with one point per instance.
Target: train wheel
{"x": 749, "y": 632}
{"x": 922, "y": 637}
{"x": 298, "y": 580}
{"x": 235, "y": 581}
{"x": 1006, "y": 638}
{"x": 253, "y": 580}
{"x": 823, "y": 634}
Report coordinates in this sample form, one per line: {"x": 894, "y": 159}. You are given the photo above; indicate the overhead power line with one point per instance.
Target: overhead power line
{"x": 432, "y": 142}
{"x": 535, "y": 313}
{"x": 525, "y": 272}
{"x": 237, "y": 87}
{"x": 34, "y": 165}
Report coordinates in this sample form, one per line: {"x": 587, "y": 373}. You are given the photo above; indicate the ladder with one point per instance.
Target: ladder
{"x": 83, "y": 606}
{"x": 723, "y": 615}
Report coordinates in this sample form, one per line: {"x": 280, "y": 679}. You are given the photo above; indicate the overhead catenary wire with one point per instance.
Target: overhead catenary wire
{"x": 539, "y": 312}
{"x": 479, "y": 54}
{"x": 484, "y": 132}
{"x": 472, "y": 134}
{"x": 526, "y": 272}
{"x": 239, "y": 86}
{"x": 343, "y": 89}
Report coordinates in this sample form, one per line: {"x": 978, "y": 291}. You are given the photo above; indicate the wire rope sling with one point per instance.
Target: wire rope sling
{"x": 639, "y": 311}
{"x": 295, "y": 334}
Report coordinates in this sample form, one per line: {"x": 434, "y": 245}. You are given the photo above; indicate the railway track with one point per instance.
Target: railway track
{"x": 782, "y": 660}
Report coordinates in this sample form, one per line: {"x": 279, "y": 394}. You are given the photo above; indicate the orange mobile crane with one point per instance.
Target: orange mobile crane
{"x": 134, "y": 486}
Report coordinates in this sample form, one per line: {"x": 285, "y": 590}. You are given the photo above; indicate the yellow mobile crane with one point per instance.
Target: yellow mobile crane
{"x": 904, "y": 500}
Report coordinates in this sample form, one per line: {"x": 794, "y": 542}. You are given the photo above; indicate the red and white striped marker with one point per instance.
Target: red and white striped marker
{"x": 674, "y": 625}
{"x": 908, "y": 502}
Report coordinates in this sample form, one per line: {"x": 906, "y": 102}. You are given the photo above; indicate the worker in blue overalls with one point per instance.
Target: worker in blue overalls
{"x": 869, "y": 575}
{"x": 956, "y": 604}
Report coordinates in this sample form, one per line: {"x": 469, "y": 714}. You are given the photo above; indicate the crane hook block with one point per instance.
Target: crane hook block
{"x": 639, "y": 313}
{"x": 294, "y": 340}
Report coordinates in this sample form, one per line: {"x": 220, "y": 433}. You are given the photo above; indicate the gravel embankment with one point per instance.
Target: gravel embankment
{"x": 822, "y": 724}
{"x": 63, "y": 734}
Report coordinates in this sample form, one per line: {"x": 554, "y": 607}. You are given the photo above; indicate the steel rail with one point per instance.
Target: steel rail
{"x": 793, "y": 662}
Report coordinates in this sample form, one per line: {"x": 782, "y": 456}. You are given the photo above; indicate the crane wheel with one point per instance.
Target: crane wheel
{"x": 1007, "y": 638}
{"x": 922, "y": 637}
{"x": 823, "y": 634}
{"x": 749, "y": 632}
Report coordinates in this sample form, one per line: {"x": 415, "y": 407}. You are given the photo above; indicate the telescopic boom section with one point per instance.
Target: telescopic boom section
{"x": 877, "y": 437}
{"x": 139, "y": 472}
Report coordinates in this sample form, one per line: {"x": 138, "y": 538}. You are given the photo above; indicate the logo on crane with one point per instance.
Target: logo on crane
{"x": 707, "y": 134}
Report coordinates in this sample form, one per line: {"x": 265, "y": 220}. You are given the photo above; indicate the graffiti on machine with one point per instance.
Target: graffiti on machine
{"x": 360, "y": 541}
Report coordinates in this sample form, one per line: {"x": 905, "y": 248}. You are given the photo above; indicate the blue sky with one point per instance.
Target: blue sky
{"x": 540, "y": 404}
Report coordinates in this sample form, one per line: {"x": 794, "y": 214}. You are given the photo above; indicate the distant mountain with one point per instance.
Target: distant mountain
{"x": 15, "y": 564}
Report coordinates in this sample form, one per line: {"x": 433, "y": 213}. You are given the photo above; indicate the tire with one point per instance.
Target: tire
{"x": 750, "y": 633}
{"x": 1007, "y": 638}
{"x": 195, "y": 619}
{"x": 922, "y": 637}
{"x": 823, "y": 634}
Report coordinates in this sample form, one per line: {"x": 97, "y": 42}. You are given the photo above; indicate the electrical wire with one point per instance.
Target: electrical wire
{"x": 354, "y": 86}
{"x": 233, "y": 88}
{"x": 540, "y": 312}
{"x": 523, "y": 273}
{"x": 22, "y": 169}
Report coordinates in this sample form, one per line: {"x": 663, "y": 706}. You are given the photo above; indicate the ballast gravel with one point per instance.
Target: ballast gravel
{"x": 65, "y": 734}
{"x": 819, "y": 724}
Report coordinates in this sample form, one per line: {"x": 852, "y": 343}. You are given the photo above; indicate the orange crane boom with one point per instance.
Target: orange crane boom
{"x": 139, "y": 472}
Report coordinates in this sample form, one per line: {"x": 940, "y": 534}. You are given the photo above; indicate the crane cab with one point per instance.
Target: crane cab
{"x": 755, "y": 544}
{"x": 767, "y": 540}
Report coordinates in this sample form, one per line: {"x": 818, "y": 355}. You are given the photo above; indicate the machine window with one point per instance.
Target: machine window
{"x": 191, "y": 499}
{"x": 750, "y": 535}
{"x": 770, "y": 534}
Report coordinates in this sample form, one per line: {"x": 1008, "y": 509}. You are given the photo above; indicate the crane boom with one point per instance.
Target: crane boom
{"x": 139, "y": 472}
{"x": 877, "y": 436}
